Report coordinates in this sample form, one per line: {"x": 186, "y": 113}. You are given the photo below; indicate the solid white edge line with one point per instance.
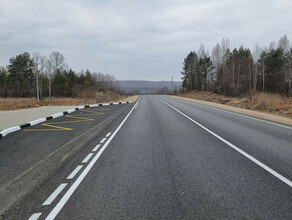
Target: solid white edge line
{"x": 265, "y": 167}
{"x": 55, "y": 194}
{"x": 108, "y": 134}
{"x": 35, "y": 216}
{"x": 245, "y": 116}
{"x": 96, "y": 148}
{"x": 86, "y": 159}
{"x": 102, "y": 141}
{"x": 74, "y": 172}
{"x": 71, "y": 190}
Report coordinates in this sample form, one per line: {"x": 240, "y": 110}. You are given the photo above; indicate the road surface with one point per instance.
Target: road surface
{"x": 168, "y": 158}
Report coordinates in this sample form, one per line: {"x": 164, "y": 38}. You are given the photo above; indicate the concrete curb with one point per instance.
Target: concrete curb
{"x": 57, "y": 115}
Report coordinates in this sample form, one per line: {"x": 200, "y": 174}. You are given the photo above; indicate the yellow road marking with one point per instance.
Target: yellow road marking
{"x": 80, "y": 118}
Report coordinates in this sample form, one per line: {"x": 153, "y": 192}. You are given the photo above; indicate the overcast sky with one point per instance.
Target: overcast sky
{"x": 138, "y": 40}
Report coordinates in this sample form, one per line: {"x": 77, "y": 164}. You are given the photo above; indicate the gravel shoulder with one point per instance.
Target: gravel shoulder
{"x": 258, "y": 114}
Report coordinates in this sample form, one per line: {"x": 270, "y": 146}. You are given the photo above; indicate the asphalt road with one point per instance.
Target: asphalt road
{"x": 167, "y": 158}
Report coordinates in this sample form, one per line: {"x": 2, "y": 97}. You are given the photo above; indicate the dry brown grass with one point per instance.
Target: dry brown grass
{"x": 22, "y": 103}
{"x": 270, "y": 103}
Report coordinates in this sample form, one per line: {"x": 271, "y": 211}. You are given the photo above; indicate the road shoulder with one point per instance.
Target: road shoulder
{"x": 262, "y": 115}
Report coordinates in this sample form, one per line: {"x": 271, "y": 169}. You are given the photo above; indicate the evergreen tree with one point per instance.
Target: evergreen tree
{"x": 21, "y": 73}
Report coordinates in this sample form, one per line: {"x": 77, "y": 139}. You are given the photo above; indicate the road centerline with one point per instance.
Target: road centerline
{"x": 265, "y": 167}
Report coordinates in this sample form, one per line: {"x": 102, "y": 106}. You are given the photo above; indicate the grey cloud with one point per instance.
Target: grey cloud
{"x": 136, "y": 39}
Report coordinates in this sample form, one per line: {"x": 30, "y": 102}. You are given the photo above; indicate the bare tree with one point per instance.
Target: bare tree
{"x": 39, "y": 65}
{"x": 217, "y": 55}
{"x": 256, "y": 56}
{"x": 284, "y": 43}
{"x": 217, "y": 59}
{"x": 272, "y": 46}
{"x": 201, "y": 51}
{"x": 49, "y": 71}
{"x": 57, "y": 61}
{"x": 225, "y": 44}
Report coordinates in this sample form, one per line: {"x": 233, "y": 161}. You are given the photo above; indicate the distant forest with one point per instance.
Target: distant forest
{"x": 147, "y": 87}
{"x": 236, "y": 72}
{"x": 29, "y": 75}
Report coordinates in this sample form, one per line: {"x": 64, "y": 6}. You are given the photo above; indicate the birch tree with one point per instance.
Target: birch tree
{"x": 39, "y": 66}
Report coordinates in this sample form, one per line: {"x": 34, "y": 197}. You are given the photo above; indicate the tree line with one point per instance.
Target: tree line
{"x": 239, "y": 71}
{"x": 29, "y": 75}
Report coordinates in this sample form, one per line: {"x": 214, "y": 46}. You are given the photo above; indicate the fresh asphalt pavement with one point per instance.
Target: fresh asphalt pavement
{"x": 21, "y": 149}
{"x": 167, "y": 158}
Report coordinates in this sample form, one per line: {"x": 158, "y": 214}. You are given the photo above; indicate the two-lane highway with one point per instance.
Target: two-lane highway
{"x": 168, "y": 158}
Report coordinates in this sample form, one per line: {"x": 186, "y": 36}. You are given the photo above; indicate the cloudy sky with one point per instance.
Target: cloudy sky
{"x": 139, "y": 40}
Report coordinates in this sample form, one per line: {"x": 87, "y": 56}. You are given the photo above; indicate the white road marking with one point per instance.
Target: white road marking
{"x": 35, "y": 216}
{"x": 71, "y": 176}
{"x": 86, "y": 159}
{"x": 271, "y": 171}
{"x": 102, "y": 141}
{"x": 71, "y": 190}
{"x": 96, "y": 148}
{"x": 137, "y": 102}
{"x": 55, "y": 194}
{"x": 246, "y": 116}
{"x": 109, "y": 134}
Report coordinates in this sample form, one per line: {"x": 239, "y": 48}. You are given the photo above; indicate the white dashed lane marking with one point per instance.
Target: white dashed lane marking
{"x": 109, "y": 134}
{"x": 35, "y": 216}
{"x": 86, "y": 159}
{"x": 55, "y": 194}
{"x": 71, "y": 190}
{"x": 96, "y": 148}
{"x": 71, "y": 176}
{"x": 102, "y": 141}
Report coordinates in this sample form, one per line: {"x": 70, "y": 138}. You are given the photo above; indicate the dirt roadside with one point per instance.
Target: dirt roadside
{"x": 258, "y": 114}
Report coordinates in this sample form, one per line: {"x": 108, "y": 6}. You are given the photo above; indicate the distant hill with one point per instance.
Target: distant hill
{"x": 147, "y": 87}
